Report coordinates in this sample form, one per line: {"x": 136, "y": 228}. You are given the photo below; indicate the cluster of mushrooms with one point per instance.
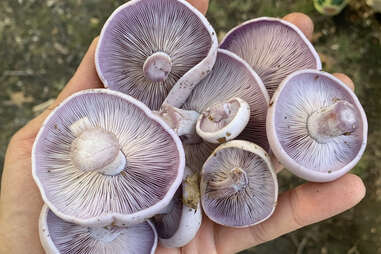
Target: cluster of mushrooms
{"x": 185, "y": 125}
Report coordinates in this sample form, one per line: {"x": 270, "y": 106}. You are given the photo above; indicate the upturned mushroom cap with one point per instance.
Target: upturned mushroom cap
{"x": 138, "y": 181}
{"x": 316, "y": 126}
{"x": 180, "y": 225}
{"x": 60, "y": 237}
{"x": 273, "y": 47}
{"x": 223, "y": 120}
{"x": 238, "y": 185}
{"x": 148, "y": 48}
{"x": 230, "y": 77}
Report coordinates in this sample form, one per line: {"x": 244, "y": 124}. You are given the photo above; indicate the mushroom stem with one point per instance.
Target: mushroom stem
{"x": 235, "y": 180}
{"x": 183, "y": 122}
{"x": 335, "y": 120}
{"x": 98, "y": 150}
{"x": 157, "y": 67}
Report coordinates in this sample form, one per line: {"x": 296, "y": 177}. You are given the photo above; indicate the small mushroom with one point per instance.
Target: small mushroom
{"x": 60, "y": 237}
{"x": 230, "y": 83}
{"x": 316, "y": 126}
{"x": 103, "y": 157}
{"x": 238, "y": 186}
{"x": 151, "y": 49}
{"x": 223, "y": 121}
{"x": 182, "y": 220}
{"x": 273, "y": 47}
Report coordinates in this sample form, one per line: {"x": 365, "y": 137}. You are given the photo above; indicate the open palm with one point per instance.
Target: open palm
{"x": 20, "y": 201}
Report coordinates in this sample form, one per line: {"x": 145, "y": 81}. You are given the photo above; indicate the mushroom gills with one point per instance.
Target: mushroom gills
{"x": 59, "y": 236}
{"x": 155, "y": 51}
{"x": 238, "y": 185}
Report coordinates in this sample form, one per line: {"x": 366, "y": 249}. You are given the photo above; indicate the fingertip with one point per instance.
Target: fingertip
{"x": 201, "y": 5}
{"x": 302, "y": 21}
{"x": 347, "y": 80}
{"x": 356, "y": 189}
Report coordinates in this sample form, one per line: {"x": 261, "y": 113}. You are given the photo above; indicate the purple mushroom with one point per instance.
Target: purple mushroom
{"x": 273, "y": 47}
{"x": 60, "y": 237}
{"x": 238, "y": 186}
{"x": 181, "y": 220}
{"x": 230, "y": 86}
{"x": 316, "y": 126}
{"x": 103, "y": 157}
{"x": 151, "y": 49}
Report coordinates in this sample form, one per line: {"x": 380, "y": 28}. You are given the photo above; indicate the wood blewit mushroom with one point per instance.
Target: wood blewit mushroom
{"x": 273, "y": 47}
{"x": 155, "y": 51}
{"x": 238, "y": 185}
{"x": 316, "y": 126}
{"x": 104, "y": 158}
{"x": 60, "y": 237}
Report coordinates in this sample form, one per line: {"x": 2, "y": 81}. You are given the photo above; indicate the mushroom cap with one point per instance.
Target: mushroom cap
{"x": 299, "y": 95}
{"x": 273, "y": 47}
{"x": 254, "y": 201}
{"x": 181, "y": 224}
{"x": 230, "y": 77}
{"x": 59, "y": 236}
{"x": 140, "y": 28}
{"x": 153, "y": 172}
{"x": 230, "y": 127}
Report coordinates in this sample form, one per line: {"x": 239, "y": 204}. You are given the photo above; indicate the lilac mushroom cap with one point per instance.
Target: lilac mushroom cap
{"x": 148, "y": 48}
{"x": 230, "y": 77}
{"x": 238, "y": 185}
{"x": 182, "y": 220}
{"x": 60, "y": 237}
{"x": 84, "y": 179}
{"x": 273, "y": 47}
{"x": 316, "y": 126}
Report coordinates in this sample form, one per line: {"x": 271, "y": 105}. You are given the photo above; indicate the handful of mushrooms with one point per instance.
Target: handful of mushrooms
{"x": 184, "y": 126}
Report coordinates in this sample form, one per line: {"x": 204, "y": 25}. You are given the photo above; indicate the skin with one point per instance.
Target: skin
{"x": 20, "y": 201}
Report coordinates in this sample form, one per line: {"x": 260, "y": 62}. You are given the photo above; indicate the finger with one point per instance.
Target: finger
{"x": 302, "y": 21}
{"x": 347, "y": 80}
{"x": 85, "y": 77}
{"x": 201, "y": 5}
{"x": 304, "y": 205}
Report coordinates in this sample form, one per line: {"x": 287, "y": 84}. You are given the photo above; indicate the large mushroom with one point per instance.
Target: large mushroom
{"x": 151, "y": 48}
{"x": 103, "y": 157}
{"x": 181, "y": 220}
{"x": 316, "y": 126}
{"x": 60, "y": 237}
{"x": 273, "y": 47}
{"x": 238, "y": 185}
{"x": 221, "y": 99}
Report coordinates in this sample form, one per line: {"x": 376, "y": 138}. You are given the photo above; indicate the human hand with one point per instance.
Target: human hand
{"x": 20, "y": 201}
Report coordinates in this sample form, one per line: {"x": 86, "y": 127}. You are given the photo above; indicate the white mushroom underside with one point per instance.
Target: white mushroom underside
{"x": 293, "y": 109}
{"x": 70, "y": 238}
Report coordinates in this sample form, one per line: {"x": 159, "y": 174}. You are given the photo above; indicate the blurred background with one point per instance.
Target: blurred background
{"x": 43, "y": 41}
